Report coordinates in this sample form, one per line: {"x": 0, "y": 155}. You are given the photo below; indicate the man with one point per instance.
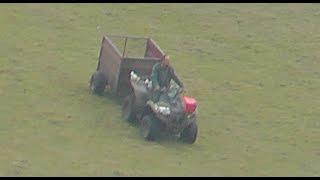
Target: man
{"x": 161, "y": 75}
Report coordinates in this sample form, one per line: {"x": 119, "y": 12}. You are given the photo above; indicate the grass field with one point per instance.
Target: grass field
{"x": 254, "y": 69}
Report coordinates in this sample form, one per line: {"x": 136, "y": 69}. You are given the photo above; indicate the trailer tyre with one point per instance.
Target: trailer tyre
{"x": 189, "y": 134}
{"x": 98, "y": 83}
{"x": 128, "y": 108}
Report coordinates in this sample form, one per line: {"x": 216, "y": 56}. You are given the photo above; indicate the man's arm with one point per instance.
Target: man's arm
{"x": 175, "y": 78}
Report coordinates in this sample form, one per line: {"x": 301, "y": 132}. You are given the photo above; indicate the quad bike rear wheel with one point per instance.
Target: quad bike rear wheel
{"x": 128, "y": 108}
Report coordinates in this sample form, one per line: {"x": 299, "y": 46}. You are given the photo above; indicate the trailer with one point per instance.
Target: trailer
{"x": 114, "y": 65}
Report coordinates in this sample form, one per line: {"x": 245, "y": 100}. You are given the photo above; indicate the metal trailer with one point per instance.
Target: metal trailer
{"x": 116, "y": 66}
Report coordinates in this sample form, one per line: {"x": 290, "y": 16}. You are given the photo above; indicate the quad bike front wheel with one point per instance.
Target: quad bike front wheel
{"x": 98, "y": 83}
{"x": 189, "y": 134}
{"x": 149, "y": 128}
{"x": 128, "y": 108}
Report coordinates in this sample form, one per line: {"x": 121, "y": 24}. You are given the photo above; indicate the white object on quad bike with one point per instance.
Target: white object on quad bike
{"x": 134, "y": 76}
{"x": 136, "y": 79}
{"x": 148, "y": 83}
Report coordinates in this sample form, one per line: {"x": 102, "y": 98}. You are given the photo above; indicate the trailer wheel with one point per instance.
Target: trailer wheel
{"x": 189, "y": 134}
{"x": 149, "y": 128}
{"x": 128, "y": 108}
{"x": 98, "y": 83}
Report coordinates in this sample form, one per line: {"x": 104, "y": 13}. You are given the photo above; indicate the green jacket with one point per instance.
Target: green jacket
{"x": 162, "y": 76}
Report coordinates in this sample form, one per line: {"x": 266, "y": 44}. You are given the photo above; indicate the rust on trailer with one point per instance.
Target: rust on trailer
{"x": 116, "y": 67}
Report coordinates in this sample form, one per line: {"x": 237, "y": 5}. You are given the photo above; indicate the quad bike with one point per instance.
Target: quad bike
{"x": 174, "y": 113}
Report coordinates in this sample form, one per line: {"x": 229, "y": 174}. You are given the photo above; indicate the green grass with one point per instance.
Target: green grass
{"x": 254, "y": 69}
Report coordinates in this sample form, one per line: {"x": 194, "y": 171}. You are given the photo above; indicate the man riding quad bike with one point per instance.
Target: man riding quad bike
{"x": 159, "y": 106}
{"x": 161, "y": 76}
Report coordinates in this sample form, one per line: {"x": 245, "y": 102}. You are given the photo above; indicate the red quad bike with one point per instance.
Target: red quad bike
{"x": 174, "y": 114}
